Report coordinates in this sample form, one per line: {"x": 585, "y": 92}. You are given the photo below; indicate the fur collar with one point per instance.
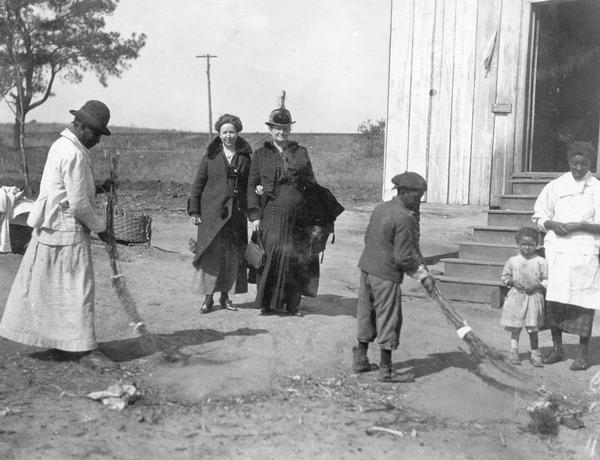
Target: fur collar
{"x": 242, "y": 147}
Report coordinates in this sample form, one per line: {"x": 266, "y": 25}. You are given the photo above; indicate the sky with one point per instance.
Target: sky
{"x": 331, "y": 57}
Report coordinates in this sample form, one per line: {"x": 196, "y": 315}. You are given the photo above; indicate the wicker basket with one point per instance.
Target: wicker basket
{"x": 132, "y": 228}
{"x": 19, "y": 237}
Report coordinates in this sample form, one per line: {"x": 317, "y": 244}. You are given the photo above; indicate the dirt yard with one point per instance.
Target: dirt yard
{"x": 279, "y": 387}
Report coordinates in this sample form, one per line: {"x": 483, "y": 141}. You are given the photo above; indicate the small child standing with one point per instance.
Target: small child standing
{"x": 526, "y": 274}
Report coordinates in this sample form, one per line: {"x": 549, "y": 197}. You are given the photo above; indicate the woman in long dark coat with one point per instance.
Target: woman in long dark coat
{"x": 280, "y": 173}
{"x": 218, "y": 207}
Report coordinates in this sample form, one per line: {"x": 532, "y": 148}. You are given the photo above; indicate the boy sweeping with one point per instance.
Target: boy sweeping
{"x": 391, "y": 250}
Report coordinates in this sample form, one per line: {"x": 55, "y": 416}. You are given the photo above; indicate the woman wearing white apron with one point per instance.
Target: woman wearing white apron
{"x": 568, "y": 209}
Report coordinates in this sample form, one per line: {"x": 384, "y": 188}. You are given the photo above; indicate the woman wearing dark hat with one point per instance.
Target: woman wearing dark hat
{"x": 568, "y": 210}
{"x": 217, "y": 206}
{"x": 280, "y": 173}
{"x": 51, "y": 302}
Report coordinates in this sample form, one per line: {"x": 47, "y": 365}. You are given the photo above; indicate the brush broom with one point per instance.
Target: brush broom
{"x": 150, "y": 343}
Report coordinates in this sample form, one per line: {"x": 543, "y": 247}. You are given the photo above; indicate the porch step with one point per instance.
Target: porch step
{"x": 456, "y": 288}
{"x": 497, "y": 234}
{"x": 471, "y": 269}
{"x": 486, "y": 251}
{"x": 528, "y": 186}
{"x": 517, "y": 202}
{"x": 509, "y": 218}
{"x": 546, "y": 175}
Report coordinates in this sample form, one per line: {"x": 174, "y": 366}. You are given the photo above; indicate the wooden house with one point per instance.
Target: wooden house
{"x": 481, "y": 90}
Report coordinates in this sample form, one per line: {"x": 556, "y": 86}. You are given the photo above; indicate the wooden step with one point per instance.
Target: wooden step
{"x": 488, "y": 292}
{"x": 537, "y": 175}
{"x": 489, "y": 270}
{"x": 497, "y": 234}
{"x": 509, "y": 218}
{"x": 486, "y": 251}
{"x": 528, "y": 186}
{"x": 520, "y": 202}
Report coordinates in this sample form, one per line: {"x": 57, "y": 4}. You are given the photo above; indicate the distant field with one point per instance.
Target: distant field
{"x": 160, "y": 157}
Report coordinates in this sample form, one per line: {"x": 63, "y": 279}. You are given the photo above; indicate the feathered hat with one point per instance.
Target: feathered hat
{"x": 280, "y": 116}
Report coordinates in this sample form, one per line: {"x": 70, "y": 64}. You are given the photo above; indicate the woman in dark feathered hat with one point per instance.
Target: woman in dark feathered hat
{"x": 280, "y": 174}
{"x": 217, "y": 206}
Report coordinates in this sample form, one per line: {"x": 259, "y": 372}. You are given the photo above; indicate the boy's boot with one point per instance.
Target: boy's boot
{"x": 360, "y": 361}
{"x": 387, "y": 373}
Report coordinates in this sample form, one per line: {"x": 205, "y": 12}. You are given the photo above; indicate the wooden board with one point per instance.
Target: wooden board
{"x": 504, "y": 124}
{"x": 420, "y": 102}
{"x": 488, "y": 23}
{"x": 462, "y": 105}
{"x": 441, "y": 102}
{"x": 400, "y": 69}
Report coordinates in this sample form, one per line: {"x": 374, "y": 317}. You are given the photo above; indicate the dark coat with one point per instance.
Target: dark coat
{"x": 391, "y": 242}
{"x": 218, "y": 197}
{"x": 263, "y": 172}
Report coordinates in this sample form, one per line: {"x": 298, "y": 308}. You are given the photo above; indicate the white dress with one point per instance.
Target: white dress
{"x": 521, "y": 309}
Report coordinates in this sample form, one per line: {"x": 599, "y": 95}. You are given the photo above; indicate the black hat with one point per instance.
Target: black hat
{"x": 280, "y": 116}
{"x": 95, "y": 114}
{"x": 410, "y": 180}
{"x": 228, "y": 118}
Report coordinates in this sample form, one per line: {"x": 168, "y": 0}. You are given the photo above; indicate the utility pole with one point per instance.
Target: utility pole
{"x": 208, "y": 56}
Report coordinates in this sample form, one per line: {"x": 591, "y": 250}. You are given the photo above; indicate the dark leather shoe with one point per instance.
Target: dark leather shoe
{"x": 97, "y": 360}
{"x": 554, "y": 356}
{"x": 227, "y": 304}
{"x": 206, "y": 308}
{"x": 580, "y": 364}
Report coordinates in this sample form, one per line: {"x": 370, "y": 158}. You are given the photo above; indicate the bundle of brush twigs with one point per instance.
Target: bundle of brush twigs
{"x": 479, "y": 350}
{"x": 477, "y": 347}
{"x": 150, "y": 343}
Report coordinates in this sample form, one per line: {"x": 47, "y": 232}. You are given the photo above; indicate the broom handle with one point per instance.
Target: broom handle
{"x": 436, "y": 295}
{"x": 117, "y": 280}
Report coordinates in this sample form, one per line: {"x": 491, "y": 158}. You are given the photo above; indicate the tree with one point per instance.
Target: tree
{"x": 372, "y": 135}
{"x": 41, "y": 40}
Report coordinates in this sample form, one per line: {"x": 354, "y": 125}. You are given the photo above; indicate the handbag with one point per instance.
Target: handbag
{"x": 255, "y": 254}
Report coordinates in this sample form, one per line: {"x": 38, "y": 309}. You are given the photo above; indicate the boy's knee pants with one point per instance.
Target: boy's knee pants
{"x": 379, "y": 312}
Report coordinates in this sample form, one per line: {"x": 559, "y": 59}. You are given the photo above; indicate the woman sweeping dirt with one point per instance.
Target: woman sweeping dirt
{"x": 51, "y": 302}
{"x": 217, "y": 206}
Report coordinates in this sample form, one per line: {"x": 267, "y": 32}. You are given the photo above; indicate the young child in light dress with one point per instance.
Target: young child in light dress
{"x": 526, "y": 274}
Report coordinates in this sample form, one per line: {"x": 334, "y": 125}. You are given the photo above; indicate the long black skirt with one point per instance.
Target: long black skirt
{"x": 290, "y": 268}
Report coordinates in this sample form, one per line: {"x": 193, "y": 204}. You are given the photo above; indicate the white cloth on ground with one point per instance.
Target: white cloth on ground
{"x": 8, "y": 197}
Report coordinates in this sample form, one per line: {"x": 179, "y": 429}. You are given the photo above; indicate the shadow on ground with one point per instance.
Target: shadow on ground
{"x": 329, "y": 305}
{"x": 572, "y": 350}
{"x": 139, "y": 347}
{"x": 437, "y": 362}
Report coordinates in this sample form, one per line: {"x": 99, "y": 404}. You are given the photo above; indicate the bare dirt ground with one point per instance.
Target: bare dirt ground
{"x": 279, "y": 387}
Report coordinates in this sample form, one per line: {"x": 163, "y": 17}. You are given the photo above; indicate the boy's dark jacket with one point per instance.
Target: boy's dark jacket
{"x": 391, "y": 242}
